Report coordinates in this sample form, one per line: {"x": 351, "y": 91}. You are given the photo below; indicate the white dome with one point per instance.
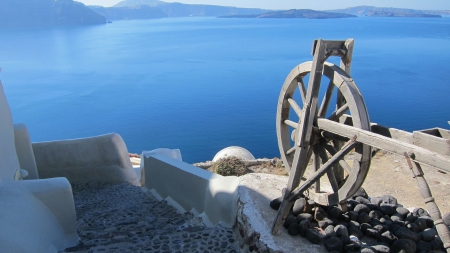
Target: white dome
{"x": 239, "y": 152}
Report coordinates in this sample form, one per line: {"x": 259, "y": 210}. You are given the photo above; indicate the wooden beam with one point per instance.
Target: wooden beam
{"x": 422, "y": 155}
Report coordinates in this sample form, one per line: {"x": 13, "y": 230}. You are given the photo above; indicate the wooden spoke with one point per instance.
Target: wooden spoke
{"x": 339, "y": 112}
{"x": 302, "y": 88}
{"x": 296, "y": 107}
{"x": 330, "y": 173}
{"x": 326, "y": 100}
{"x": 291, "y": 123}
{"x": 316, "y": 163}
{"x": 342, "y": 162}
{"x": 324, "y": 169}
{"x": 291, "y": 150}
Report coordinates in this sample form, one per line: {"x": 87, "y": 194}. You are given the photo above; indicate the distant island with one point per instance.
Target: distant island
{"x": 371, "y": 11}
{"x": 304, "y": 13}
{"x": 402, "y": 15}
{"x": 40, "y": 13}
{"x": 143, "y": 9}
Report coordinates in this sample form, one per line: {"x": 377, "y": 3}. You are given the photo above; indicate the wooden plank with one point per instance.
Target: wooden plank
{"x": 392, "y": 133}
{"x": 431, "y": 142}
{"x": 422, "y": 155}
{"x": 427, "y": 139}
{"x": 444, "y": 132}
{"x": 346, "y": 64}
{"x": 324, "y": 198}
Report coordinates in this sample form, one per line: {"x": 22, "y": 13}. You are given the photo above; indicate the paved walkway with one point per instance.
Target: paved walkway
{"x": 124, "y": 218}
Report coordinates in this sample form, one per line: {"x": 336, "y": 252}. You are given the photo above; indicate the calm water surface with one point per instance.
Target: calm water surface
{"x": 202, "y": 84}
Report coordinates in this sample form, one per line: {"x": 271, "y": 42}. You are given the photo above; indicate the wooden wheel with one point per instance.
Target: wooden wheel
{"x": 347, "y": 177}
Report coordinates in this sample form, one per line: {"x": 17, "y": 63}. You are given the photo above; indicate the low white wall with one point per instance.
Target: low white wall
{"x": 210, "y": 196}
{"x": 101, "y": 158}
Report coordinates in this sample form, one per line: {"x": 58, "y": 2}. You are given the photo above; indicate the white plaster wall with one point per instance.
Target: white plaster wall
{"x": 37, "y": 216}
{"x": 101, "y": 158}
{"x": 24, "y": 151}
{"x": 9, "y": 163}
{"x": 189, "y": 188}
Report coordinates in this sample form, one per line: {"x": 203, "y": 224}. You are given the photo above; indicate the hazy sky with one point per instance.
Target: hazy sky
{"x": 302, "y": 4}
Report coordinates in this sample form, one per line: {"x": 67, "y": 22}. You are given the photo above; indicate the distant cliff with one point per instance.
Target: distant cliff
{"x": 372, "y": 11}
{"x": 304, "y": 13}
{"x": 139, "y": 9}
{"x": 33, "y": 13}
{"x": 135, "y": 12}
{"x": 400, "y": 14}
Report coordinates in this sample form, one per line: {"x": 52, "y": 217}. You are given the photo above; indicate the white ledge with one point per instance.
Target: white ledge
{"x": 188, "y": 188}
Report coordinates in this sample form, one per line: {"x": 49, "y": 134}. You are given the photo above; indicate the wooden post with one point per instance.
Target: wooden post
{"x": 433, "y": 209}
{"x": 302, "y": 139}
{"x": 345, "y": 64}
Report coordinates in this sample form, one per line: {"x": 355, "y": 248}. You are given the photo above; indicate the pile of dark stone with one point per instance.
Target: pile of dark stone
{"x": 376, "y": 224}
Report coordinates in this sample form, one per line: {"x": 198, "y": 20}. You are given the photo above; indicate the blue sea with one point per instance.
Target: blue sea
{"x": 203, "y": 84}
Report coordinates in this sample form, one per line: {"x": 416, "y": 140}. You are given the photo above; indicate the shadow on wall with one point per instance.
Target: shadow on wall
{"x": 188, "y": 188}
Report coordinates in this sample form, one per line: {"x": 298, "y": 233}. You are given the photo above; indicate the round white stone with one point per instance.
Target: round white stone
{"x": 239, "y": 152}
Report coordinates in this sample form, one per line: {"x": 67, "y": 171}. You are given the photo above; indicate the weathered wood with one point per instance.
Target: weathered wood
{"x": 305, "y": 136}
{"x": 346, "y": 61}
{"x": 303, "y": 133}
{"x": 345, "y": 64}
{"x": 432, "y": 207}
{"x": 433, "y": 140}
{"x": 296, "y": 107}
{"x": 422, "y": 155}
{"x": 316, "y": 163}
{"x": 392, "y": 133}
{"x": 324, "y": 169}
{"x": 330, "y": 173}
{"x": 326, "y": 100}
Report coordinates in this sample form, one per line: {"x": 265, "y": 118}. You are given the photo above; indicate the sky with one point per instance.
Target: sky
{"x": 302, "y": 4}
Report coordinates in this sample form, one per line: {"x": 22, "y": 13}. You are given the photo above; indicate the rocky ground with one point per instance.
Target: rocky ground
{"x": 389, "y": 174}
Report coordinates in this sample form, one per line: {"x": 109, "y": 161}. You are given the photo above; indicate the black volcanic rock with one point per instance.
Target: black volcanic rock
{"x": 289, "y": 220}
{"x": 303, "y": 227}
{"x": 304, "y": 216}
{"x": 387, "y": 237}
{"x": 320, "y": 214}
{"x": 41, "y": 13}
{"x": 293, "y": 229}
{"x": 333, "y": 244}
{"x": 428, "y": 234}
{"x": 276, "y": 203}
{"x": 404, "y": 245}
{"x": 313, "y": 237}
{"x": 404, "y": 233}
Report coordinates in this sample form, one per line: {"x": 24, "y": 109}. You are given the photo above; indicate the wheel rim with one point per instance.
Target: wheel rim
{"x": 289, "y": 110}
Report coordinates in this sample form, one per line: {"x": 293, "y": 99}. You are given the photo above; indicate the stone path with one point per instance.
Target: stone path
{"x": 124, "y": 218}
